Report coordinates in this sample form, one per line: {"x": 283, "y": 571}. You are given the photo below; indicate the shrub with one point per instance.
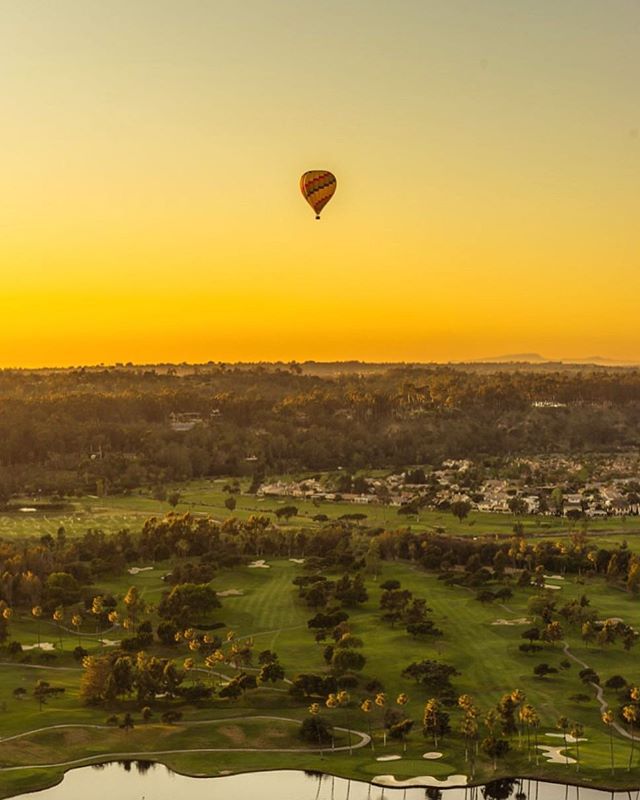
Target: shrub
{"x": 171, "y": 717}
{"x": 540, "y": 670}
{"x": 530, "y": 648}
{"x": 616, "y": 682}
{"x": 79, "y": 653}
{"x": 316, "y": 730}
{"x": 347, "y": 681}
{"x": 14, "y": 648}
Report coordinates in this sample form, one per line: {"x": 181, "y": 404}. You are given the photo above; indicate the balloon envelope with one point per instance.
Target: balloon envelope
{"x": 318, "y": 187}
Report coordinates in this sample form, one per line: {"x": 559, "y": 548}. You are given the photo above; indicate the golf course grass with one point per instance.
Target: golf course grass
{"x": 116, "y": 512}
{"x": 268, "y": 610}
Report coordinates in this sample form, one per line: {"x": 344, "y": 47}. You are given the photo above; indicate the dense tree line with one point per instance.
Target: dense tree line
{"x": 54, "y": 571}
{"x": 74, "y": 431}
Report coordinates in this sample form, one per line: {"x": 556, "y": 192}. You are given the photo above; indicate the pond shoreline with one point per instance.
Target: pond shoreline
{"x": 126, "y": 763}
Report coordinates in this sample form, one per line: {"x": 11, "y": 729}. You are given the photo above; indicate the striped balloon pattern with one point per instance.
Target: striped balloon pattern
{"x": 318, "y": 187}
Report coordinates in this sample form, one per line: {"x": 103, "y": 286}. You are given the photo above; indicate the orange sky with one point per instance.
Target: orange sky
{"x": 488, "y": 165}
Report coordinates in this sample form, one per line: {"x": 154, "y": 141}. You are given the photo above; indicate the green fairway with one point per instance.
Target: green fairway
{"x": 113, "y": 513}
{"x": 269, "y": 611}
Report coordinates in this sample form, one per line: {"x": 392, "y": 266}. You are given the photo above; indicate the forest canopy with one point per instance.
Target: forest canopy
{"x": 114, "y": 429}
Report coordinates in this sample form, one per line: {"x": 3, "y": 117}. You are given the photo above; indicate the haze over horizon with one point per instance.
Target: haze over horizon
{"x": 487, "y": 158}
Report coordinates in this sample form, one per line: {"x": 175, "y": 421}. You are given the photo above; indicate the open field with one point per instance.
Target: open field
{"x": 113, "y": 513}
{"x": 269, "y": 611}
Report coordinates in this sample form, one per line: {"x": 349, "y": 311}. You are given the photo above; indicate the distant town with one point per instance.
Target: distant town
{"x": 610, "y": 489}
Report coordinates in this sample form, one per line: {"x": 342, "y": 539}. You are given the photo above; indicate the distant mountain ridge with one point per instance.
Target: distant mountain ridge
{"x": 536, "y": 358}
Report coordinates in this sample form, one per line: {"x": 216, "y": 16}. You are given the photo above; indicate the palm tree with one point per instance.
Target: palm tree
{"x": 367, "y": 707}
{"x": 343, "y": 702}
{"x": 402, "y": 699}
{"x": 58, "y": 617}
{"x": 518, "y": 698}
{"x": 132, "y": 601}
{"x": 534, "y": 722}
{"x": 381, "y": 701}
{"x": 97, "y": 607}
{"x": 36, "y": 612}
{"x": 563, "y": 725}
{"x": 608, "y": 718}
{"x": 113, "y": 618}
{"x": 524, "y": 716}
{"x": 576, "y": 731}
{"x": 470, "y": 729}
{"x": 76, "y": 621}
{"x": 431, "y": 719}
{"x": 469, "y": 725}
{"x": 630, "y": 714}
{"x": 7, "y": 613}
{"x": 314, "y": 710}
{"x": 332, "y": 702}
{"x": 212, "y": 661}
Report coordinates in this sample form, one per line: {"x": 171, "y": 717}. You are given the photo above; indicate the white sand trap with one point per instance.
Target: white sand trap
{"x": 42, "y": 646}
{"x": 421, "y": 780}
{"x": 388, "y": 758}
{"x": 230, "y": 593}
{"x": 554, "y": 755}
{"x": 432, "y": 756}
{"x": 554, "y": 577}
{"x": 297, "y": 560}
{"x": 570, "y": 739}
{"x": 519, "y": 621}
{"x": 28, "y": 510}
{"x": 551, "y": 586}
{"x": 136, "y": 570}
{"x": 259, "y": 564}
{"x": 609, "y": 619}
{"x": 109, "y": 642}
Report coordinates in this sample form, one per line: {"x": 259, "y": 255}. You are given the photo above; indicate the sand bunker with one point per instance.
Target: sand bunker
{"x": 109, "y": 642}
{"x": 554, "y": 577}
{"x": 388, "y": 758}
{"x": 519, "y": 621}
{"x": 297, "y": 560}
{"x": 136, "y": 570}
{"x": 230, "y": 593}
{"x": 554, "y": 755}
{"x": 42, "y": 646}
{"x": 28, "y": 510}
{"x": 259, "y": 564}
{"x": 432, "y": 756}
{"x": 421, "y": 780}
{"x": 570, "y": 739}
{"x": 551, "y": 586}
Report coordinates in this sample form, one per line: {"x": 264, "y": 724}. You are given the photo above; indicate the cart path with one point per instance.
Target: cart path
{"x": 604, "y": 706}
{"x": 364, "y": 740}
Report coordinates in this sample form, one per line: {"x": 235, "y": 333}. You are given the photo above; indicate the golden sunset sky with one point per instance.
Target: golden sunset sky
{"x": 488, "y": 162}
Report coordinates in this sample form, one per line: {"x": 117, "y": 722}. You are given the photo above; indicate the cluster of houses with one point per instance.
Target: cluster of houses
{"x": 439, "y": 488}
{"x": 187, "y": 420}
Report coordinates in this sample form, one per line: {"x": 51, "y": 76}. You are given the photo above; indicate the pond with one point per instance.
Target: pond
{"x": 145, "y": 780}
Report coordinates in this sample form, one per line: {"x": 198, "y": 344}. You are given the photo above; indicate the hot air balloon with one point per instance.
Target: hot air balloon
{"x": 317, "y": 187}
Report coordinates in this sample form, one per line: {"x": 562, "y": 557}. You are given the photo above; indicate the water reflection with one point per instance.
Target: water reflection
{"x": 146, "y": 780}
